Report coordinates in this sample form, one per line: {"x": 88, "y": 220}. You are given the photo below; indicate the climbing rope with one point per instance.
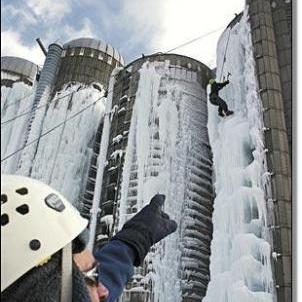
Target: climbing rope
{"x": 51, "y": 130}
{"x": 194, "y": 40}
{"x": 16, "y": 101}
{"x": 224, "y": 56}
{"x": 37, "y": 108}
{"x": 57, "y": 126}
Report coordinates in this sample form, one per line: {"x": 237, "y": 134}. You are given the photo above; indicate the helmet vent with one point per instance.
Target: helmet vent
{"x": 23, "y": 209}
{"x": 4, "y": 219}
{"x": 3, "y": 198}
{"x": 22, "y": 191}
{"x": 35, "y": 244}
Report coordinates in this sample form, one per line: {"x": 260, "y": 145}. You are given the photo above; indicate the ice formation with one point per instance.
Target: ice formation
{"x": 168, "y": 153}
{"x": 70, "y": 145}
{"x": 240, "y": 251}
{"x": 61, "y": 157}
{"x": 16, "y": 101}
{"x": 101, "y": 161}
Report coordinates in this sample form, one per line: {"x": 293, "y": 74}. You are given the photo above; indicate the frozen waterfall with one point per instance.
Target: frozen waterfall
{"x": 69, "y": 119}
{"x": 16, "y": 104}
{"x": 240, "y": 251}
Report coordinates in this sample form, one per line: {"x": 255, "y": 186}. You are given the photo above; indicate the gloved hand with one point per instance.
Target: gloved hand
{"x": 146, "y": 228}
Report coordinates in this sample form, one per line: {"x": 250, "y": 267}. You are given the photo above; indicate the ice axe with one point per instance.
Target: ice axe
{"x": 227, "y": 78}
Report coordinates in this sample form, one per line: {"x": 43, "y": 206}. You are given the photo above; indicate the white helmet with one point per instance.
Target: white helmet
{"x": 36, "y": 222}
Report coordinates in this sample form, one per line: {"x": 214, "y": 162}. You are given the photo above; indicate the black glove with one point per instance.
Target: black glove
{"x": 227, "y": 82}
{"x": 146, "y": 228}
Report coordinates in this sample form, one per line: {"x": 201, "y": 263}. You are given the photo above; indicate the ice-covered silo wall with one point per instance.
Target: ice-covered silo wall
{"x": 63, "y": 156}
{"x": 18, "y": 86}
{"x": 158, "y": 142}
{"x": 240, "y": 262}
{"x": 250, "y": 250}
{"x": 64, "y": 123}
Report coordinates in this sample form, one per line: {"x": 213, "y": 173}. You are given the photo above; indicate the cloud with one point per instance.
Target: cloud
{"x": 132, "y": 26}
{"x": 11, "y": 45}
{"x": 64, "y": 33}
{"x": 21, "y": 15}
{"x": 69, "y": 32}
{"x": 152, "y": 26}
{"x": 50, "y": 10}
{"x": 187, "y": 19}
{"x": 144, "y": 19}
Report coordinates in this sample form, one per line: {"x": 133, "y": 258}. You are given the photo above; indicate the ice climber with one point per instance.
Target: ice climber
{"x": 43, "y": 254}
{"x": 218, "y": 101}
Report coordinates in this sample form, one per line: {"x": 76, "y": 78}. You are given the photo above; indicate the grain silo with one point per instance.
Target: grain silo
{"x": 158, "y": 142}
{"x": 282, "y": 23}
{"x": 87, "y": 60}
{"x": 14, "y": 69}
{"x": 17, "y": 96}
{"x": 90, "y": 62}
{"x": 271, "y": 27}
{"x": 76, "y": 74}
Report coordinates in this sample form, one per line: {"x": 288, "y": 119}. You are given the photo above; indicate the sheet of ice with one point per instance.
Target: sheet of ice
{"x": 62, "y": 157}
{"x": 32, "y": 133}
{"x": 16, "y": 104}
{"x": 240, "y": 250}
{"x": 165, "y": 136}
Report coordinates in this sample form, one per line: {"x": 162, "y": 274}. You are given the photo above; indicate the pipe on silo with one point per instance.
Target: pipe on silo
{"x": 49, "y": 70}
{"x": 42, "y": 46}
{"x": 44, "y": 89}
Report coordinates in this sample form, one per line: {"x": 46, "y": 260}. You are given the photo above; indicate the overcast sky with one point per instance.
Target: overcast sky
{"x": 132, "y": 26}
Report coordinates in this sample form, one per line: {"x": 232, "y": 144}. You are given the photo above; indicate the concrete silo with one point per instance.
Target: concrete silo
{"x": 282, "y": 23}
{"x": 14, "y": 69}
{"x": 74, "y": 76}
{"x": 17, "y": 96}
{"x": 90, "y": 62}
{"x": 87, "y": 60}
{"x": 158, "y": 142}
{"x": 271, "y": 26}
{"x": 256, "y": 50}
{"x": 42, "y": 94}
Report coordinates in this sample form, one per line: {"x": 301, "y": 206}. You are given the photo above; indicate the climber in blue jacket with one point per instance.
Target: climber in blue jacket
{"x": 44, "y": 257}
{"x": 218, "y": 101}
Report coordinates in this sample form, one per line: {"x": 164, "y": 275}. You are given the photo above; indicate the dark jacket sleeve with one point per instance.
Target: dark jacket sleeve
{"x": 215, "y": 87}
{"x": 221, "y": 85}
{"x": 115, "y": 267}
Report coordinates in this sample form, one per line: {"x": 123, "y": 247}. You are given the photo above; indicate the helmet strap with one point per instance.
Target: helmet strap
{"x": 66, "y": 284}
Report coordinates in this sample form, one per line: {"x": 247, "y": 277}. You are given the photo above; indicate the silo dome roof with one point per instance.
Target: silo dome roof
{"x": 95, "y": 44}
{"x": 20, "y": 66}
